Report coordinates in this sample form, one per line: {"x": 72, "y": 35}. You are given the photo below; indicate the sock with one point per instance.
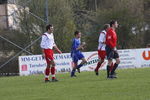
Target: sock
{"x": 73, "y": 72}
{"x": 80, "y": 65}
{"x": 47, "y": 72}
{"x": 111, "y": 67}
{"x": 98, "y": 66}
{"x": 53, "y": 72}
{"x": 114, "y": 68}
{"x": 108, "y": 70}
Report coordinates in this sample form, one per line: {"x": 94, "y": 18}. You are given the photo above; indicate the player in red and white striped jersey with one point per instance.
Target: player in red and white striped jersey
{"x": 101, "y": 47}
{"x": 47, "y": 45}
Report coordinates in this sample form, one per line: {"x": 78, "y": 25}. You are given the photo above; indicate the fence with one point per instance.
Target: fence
{"x": 8, "y": 57}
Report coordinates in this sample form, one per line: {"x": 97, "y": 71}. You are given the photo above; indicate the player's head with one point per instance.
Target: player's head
{"x": 77, "y": 34}
{"x": 114, "y": 24}
{"x": 50, "y": 28}
{"x": 106, "y": 27}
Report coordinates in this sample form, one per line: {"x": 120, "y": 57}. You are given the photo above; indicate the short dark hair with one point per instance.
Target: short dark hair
{"x": 76, "y": 33}
{"x": 106, "y": 26}
{"x": 48, "y": 27}
{"x": 112, "y": 22}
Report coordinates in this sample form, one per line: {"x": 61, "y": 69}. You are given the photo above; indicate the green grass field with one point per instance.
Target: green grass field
{"x": 132, "y": 84}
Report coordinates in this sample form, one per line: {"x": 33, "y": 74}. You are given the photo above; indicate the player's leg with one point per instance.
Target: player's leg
{"x": 74, "y": 69}
{"x": 98, "y": 66}
{"x": 53, "y": 71}
{"x": 47, "y": 70}
{"x": 110, "y": 55}
{"x": 111, "y": 67}
{"x": 75, "y": 61}
{"x": 116, "y": 56}
{"x": 81, "y": 64}
{"x": 81, "y": 57}
{"x": 101, "y": 55}
{"x": 108, "y": 67}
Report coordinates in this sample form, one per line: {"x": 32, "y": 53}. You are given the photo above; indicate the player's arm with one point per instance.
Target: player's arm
{"x": 57, "y": 49}
{"x": 81, "y": 47}
{"x": 102, "y": 38}
{"x": 43, "y": 54}
{"x": 43, "y": 43}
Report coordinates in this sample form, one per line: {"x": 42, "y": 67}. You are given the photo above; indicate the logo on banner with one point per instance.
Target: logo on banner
{"x": 146, "y": 57}
{"x": 91, "y": 60}
{"x": 24, "y": 68}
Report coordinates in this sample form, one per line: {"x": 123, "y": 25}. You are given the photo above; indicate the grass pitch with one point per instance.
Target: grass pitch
{"x": 132, "y": 84}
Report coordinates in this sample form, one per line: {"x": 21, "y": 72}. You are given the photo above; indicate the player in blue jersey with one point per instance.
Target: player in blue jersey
{"x": 76, "y": 53}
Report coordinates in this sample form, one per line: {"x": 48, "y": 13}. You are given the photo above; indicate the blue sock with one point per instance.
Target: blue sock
{"x": 73, "y": 72}
{"x": 80, "y": 65}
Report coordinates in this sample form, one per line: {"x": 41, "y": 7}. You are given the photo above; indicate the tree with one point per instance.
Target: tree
{"x": 60, "y": 16}
{"x": 129, "y": 18}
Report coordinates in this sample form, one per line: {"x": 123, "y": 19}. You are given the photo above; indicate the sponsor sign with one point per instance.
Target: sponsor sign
{"x": 143, "y": 57}
{"x": 130, "y": 58}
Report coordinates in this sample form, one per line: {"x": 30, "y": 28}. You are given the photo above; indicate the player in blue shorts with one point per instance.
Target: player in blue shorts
{"x": 76, "y": 54}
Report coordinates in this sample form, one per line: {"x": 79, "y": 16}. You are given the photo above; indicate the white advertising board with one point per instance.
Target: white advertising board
{"x": 130, "y": 58}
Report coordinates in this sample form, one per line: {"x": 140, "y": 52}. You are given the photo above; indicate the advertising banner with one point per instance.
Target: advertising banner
{"x": 130, "y": 58}
{"x": 143, "y": 57}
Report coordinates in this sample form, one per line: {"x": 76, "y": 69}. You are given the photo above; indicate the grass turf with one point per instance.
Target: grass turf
{"x": 132, "y": 84}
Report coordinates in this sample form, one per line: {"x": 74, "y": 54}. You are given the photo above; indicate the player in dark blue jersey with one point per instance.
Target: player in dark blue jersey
{"x": 76, "y": 54}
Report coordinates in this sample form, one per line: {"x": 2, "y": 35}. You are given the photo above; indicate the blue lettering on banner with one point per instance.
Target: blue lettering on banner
{"x": 37, "y": 65}
{"x": 35, "y": 72}
{"x": 64, "y": 70}
{"x": 123, "y": 55}
{"x": 132, "y": 58}
{"x": 126, "y": 62}
{"x": 91, "y": 62}
{"x": 119, "y": 51}
{"x": 68, "y": 56}
{"x": 127, "y": 66}
{"x": 26, "y": 59}
{"x": 62, "y": 64}
{"x": 126, "y": 51}
{"x": 145, "y": 65}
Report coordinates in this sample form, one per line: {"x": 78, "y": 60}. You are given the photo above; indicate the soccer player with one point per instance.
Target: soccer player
{"x": 47, "y": 45}
{"x": 111, "y": 50}
{"x": 101, "y": 47}
{"x": 76, "y": 54}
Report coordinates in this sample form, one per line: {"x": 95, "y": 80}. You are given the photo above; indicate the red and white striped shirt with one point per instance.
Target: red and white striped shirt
{"x": 102, "y": 39}
{"x": 47, "y": 41}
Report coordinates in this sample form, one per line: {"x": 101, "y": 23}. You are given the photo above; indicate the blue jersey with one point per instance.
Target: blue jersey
{"x": 75, "y": 44}
{"x": 76, "y": 54}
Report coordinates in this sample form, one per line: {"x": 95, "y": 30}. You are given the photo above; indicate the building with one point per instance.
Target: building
{"x": 9, "y": 10}
{"x": 3, "y": 14}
